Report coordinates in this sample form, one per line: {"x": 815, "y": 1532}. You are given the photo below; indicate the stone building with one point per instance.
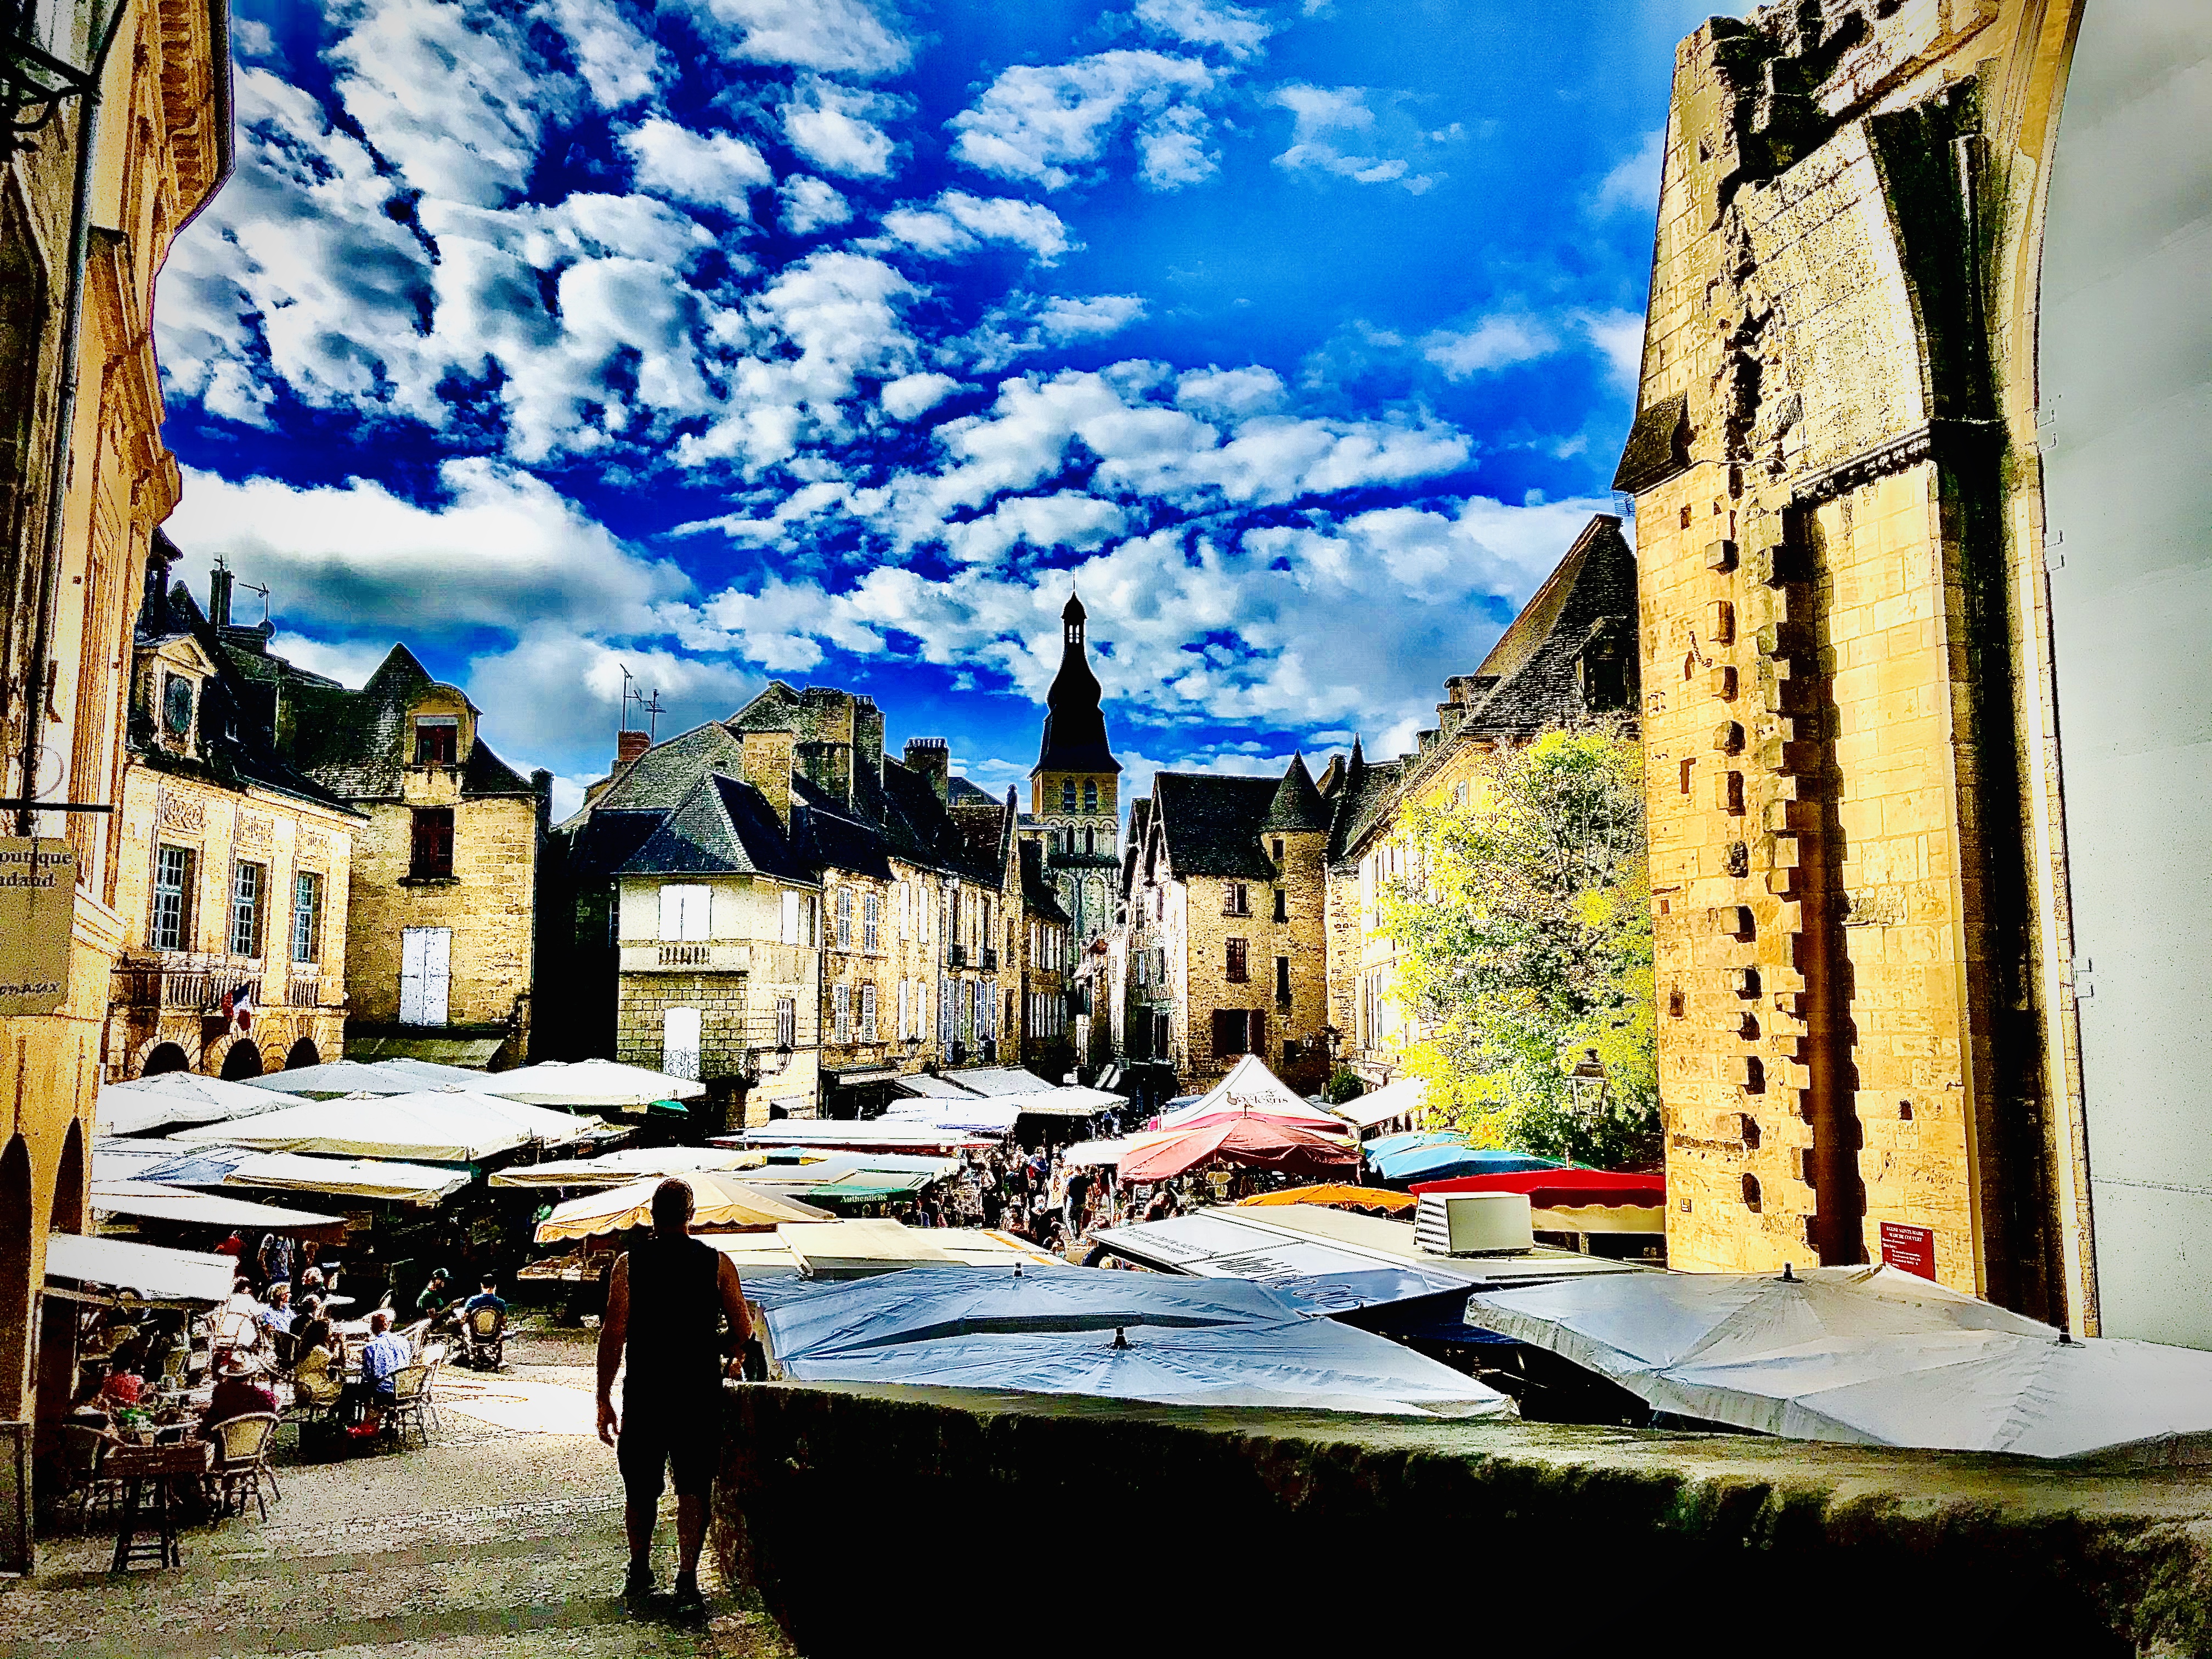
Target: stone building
{"x": 441, "y": 948}
{"x": 1075, "y": 809}
{"x": 1870, "y": 1025}
{"x": 1224, "y": 920}
{"x": 232, "y": 868}
{"x": 133, "y": 143}
{"x": 1569, "y": 657}
{"x": 901, "y": 884}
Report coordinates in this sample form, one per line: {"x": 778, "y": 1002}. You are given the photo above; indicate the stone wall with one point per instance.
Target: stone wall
{"x": 1302, "y": 939}
{"x": 1249, "y": 1531}
{"x": 1831, "y": 466}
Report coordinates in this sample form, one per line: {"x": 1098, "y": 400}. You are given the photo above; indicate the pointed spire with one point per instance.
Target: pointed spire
{"x": 1296, "y": 804}
{"x": 1074, "y": 727}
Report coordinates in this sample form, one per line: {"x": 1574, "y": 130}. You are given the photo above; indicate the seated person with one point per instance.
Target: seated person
{"x": 239, "y": 1391}
{"x": 277, "y": 1315}
{"x": 383, "y": 1357}
{"x": 487, "y": 1296}
{"x": 436, "y": 1294}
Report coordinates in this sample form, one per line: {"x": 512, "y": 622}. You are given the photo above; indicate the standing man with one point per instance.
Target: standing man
{"x": 666, "y": 1304}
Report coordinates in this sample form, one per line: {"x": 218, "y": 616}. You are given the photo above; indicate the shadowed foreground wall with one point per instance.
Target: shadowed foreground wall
{"x": 877, "y": 1521}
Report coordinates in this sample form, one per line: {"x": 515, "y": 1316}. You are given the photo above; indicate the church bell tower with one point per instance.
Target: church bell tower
{"x": 1075, "y": 791}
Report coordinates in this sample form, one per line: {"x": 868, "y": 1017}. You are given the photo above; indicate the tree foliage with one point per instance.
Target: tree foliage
{"x": 1523, "y": 929}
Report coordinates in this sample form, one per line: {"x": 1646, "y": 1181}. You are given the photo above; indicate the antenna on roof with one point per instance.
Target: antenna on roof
{"x": 653, "y": 711}
{"x": 650, "y": 706}
{"x": 628, "y": 680}
{"x": 255, "y": 587}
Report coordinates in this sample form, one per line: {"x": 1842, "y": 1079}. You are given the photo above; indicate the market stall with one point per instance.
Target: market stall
{"x": 718, "y": 1203}
{"x": 171, "y": 1099}
{"x": 590, "y": 1086}
{"x": 421, "y": 1185}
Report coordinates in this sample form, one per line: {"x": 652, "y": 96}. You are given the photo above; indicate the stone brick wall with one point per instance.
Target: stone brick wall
{"x": 1848, "y": 1037}
{"x": 1302, "y": 940}
{"x": 489, "y": 903}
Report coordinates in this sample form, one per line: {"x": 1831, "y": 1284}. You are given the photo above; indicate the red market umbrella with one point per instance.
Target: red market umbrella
{"x": 1550, "y": 1189}
{"x": 1262, "y": 1142}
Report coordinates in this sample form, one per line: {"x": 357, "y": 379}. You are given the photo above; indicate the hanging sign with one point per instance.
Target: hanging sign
{"x": 1909, "y": 1249}
{"x": 38, "y": 904}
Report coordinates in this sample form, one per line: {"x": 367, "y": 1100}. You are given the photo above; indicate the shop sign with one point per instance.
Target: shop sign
{"x": 1909, "y": 1249}
{"x": 38, "y": 905}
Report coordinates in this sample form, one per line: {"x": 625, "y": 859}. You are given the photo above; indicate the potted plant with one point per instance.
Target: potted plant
{"x": 135, "y": 1424}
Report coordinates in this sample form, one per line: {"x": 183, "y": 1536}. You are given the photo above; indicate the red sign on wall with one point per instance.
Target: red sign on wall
{"x": 1908, "y": 1248}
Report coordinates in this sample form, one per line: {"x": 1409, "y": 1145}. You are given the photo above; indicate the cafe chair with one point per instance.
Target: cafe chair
{"x": 412, "y": 1405}
{"x": 242, "y": 1461}
{"x": 89, "y": 1489}
{"x": 483, "y": 1339}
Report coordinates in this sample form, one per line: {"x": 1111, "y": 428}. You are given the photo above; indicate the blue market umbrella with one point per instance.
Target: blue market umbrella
{"x": 1390, "y": 1145}
{"x": 1443, "y": 1163}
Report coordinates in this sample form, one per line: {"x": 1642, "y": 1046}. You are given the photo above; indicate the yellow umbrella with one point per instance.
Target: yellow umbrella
{"x": 718, "y": 1202}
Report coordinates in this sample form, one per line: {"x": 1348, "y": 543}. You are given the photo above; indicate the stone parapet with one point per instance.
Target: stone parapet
{"x": 1257, "y": 1531}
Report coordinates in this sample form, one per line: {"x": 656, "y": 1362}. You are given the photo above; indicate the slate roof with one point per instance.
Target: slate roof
{"x": 1370, "y": 791}
{"x": 1074, "y": 737}
{"x": 1037, "y": 890}
{"x": 355, "y": 743}
{"x": 1536, "y": 663}
{"x": 722, "y": 828}
{"x": 1296, "y": 804}
{"x": 238, "y": 741}
{"x": 665, "y": 774}
{"x": 827, "y": 836}
{"x": 1212, "y": 823}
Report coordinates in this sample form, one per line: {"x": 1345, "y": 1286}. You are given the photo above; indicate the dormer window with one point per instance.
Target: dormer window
{"x": 437, "y": 741}
{"x": 177, "y": 692}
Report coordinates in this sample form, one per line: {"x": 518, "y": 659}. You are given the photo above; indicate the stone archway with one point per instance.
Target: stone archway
{"x": 242, "y": 1060}
{"x": 14, "y": 1276}
{"x": 164, "y": 1057}
{"x": 57, "y": 1360}
{"x": 302, "y": 1052}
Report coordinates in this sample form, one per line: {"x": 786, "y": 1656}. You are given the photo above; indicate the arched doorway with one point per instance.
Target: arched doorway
{"x": 165, "y": 1057}
{"x": 14, "y": 1275}
{"x": 58, "y": 1317}
{"x": 243, "y": 1060}
{"x": 302, "y": 1052}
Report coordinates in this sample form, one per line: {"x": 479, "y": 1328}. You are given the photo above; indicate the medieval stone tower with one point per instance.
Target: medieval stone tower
{"x": 1075, "y": 794}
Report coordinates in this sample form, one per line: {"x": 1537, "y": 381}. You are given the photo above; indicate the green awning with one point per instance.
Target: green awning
{"x": 867, "y": 1187}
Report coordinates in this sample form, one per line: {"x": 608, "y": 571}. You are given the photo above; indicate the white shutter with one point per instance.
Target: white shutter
{"x": 425, "y": 975}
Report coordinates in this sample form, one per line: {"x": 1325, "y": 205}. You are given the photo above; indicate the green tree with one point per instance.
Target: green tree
{"x": 1524, "y": 937}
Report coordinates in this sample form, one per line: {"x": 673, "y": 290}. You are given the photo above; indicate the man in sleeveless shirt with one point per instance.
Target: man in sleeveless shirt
{"x": 665, "y": 1304}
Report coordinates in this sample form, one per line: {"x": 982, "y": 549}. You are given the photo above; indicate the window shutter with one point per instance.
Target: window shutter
{"x": 868, "y": 1013}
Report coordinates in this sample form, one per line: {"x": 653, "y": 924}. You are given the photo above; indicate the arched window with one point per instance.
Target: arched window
{"x": 679, "y": 1042}
{"x": 1090, "y": 794}
{"x": 1067, "y": 794}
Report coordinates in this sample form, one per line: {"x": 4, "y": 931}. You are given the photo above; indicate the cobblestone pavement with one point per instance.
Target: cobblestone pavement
{"x": 493, "y": 1541}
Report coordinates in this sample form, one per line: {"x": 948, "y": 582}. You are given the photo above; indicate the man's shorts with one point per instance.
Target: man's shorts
{"x": 683, "y": 1438}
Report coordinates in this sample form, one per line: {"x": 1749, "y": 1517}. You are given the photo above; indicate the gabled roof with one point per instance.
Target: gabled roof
{"x": 827, "y": 836}
{"x": 1366, "y": 798}
{"x": 666, "y": 773}
{"x": 1212, "y": 823}
{"x": 1536, "y": 666}
{"x": 355, "y": 743}
{"x": 723, "y": 827}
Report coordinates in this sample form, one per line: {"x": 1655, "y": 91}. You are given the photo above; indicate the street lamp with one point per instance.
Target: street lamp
{"x": 1587, "y": 1084}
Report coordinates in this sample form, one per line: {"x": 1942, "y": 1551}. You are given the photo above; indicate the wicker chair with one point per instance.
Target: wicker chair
{"x": 242, "y": 1461}
{"x": 483, "y": 1339}
{"x": 413, "y": 1403}
{"x": 89, "y": 1489}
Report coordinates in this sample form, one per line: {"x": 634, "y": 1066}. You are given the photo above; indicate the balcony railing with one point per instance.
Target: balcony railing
{"x": 304, "y": 991}
{"x": 685, "y": 956}
{"x": 198, "y": 989}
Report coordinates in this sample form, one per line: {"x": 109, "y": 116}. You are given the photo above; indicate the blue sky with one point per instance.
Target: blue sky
{"x": 831, "y": 340}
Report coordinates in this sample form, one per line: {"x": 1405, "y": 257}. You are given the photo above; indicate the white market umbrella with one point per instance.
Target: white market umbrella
{"x": 1868, "y": 1356}
{"x": 432, "y": 1075}
{"x": 334, "y": 1077}
{"x": 542, "y": 1124}
{"x": 589, "y": 1084}
{"x": 420, "y": 1184}
{"x": 718, "y": 1200}
{"x": 142, "y": 1104}
{"x": 450, "y": 1131}
{"x": 630, "y": 1164}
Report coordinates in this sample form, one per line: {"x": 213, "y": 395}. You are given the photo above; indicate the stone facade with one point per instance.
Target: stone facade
{"x": 1075, "y": 799}
{"x": 84, "y": 480}
{"x": 1842, "y": 607}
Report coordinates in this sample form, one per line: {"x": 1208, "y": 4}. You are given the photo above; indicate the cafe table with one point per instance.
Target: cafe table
{"x": 150, "y": 1476}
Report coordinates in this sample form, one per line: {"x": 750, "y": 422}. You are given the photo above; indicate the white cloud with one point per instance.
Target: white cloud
{"x": 707, "y": 169}
{"x": 502, "y": 551}
{"x": 1040, "y": 122}
{"x": 1334, "y": 131}
{"x": 349, "y": 662}
{"x": 1235, "y": 31}
{"x": 956, "y": 222}
{"x": 1069, "y": 518}
{"x": 916, "y": 394}
{"x": 1497, "y": 342}
{"x": 1060, "y": 319}
{"x": 811, "y": 205}
{"x": 619, "y": 64}
{"x": 837, "y": 36}
{"x": 1633, "y": 184}
{"x": 559, "y": 693}
{"x": 1230, "y": 394}
{"x": 830, "y": 124}
{"x": 1618, "y": 338}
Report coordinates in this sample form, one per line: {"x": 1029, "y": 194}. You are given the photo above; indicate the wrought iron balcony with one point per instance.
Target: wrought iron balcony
{"x": 955, "y": 956}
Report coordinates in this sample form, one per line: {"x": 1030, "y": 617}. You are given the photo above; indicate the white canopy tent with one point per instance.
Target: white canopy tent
{"x": 591, "y": 1084}
{"x": 996, "y": 1081}
{"x": 449, "y": 1129}
{"x": 170, "y": 1098}
{"x": 1252, "y": 1090}
{"x": 350, "y": 1177}
{"x": 149, "y": 1201}
{"x": 1868, "y": 1356}
{"x": 88, "y": 1267}
{"x": 1403, "y": 1098}
{"x": 926, "y": 1086}
{"x": 334, "y": 1077}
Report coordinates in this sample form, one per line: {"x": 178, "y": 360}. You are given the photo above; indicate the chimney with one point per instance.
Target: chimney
{"x": 932, "y": 758}
{"x": 541, "y": 786}
{"x": 218, "y": 598}
{"x": 767, "y": 768}
{"x": 628, "y": 746}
